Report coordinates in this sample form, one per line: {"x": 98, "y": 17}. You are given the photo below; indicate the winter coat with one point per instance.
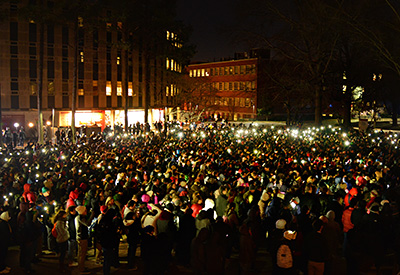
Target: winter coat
{"x": 62, "y": 231}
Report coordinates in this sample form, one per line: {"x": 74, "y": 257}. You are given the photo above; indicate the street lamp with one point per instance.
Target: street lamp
{"x": 16, "y": 125}
{"x": 30, "y": 124}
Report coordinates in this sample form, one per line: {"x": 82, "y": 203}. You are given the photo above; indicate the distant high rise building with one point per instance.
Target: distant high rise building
{"x": 100, "y": 99}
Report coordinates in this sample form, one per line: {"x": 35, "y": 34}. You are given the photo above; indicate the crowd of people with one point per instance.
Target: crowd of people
{"x": 317, "y": 199}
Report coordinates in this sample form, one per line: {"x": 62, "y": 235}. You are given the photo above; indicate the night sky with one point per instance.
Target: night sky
{"x": 212, "y": 22}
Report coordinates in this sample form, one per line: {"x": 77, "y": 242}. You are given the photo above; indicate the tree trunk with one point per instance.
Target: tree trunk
{"x": 347, "y": 110}
{"x": 395, "y": 106}
{"x": 318, "y": 111}
{"x": 147, "y": 85}
{"x": 125, "y": 80}
{"x": 75, "y": 81}
{"x": 40, "y": 84}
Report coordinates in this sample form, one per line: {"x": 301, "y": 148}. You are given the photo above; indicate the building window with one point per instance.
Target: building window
{"x": 95, "y": 101}
{"x": 50, "y": 69}
{"x": 236, "y": 69}
{"x": 50, "y": 87}
{"x": 14, "y": 68}
{"x": 236, "y": 86}
{"x": 108, "y": 101}
{"x": 95, "y": 71}
{"x": 65, "y": 87}
{"x": 81, "y": 101}
{"x": 119, "y": 89}
{"x": 33, "y": 102}
{"x": 14, "y": 86}
{"x": 230, "y": 86}
{"x": 242, "y": 69}
{"x": 32, "y": 68}
{"x": 108, "y": 88}
{"x": 32, "y": 32}
{"x": 33, "y": 87}
{"x": 65, "y": 70}
{"x": 50, "y": 34}
{"x": 51, "y": 101}
{"x": 226, "y": 86}
{"x": 14, "y": 31}
{"x": 130, "y": 102}
{"x": 95, "y": 88}
{"x": 14, "y": 49}
{"x": 14, "y": 101}
{"x": 81, "y": 90}
{"x": 130, "y": 89}
{"x": 65, "y": 101}
{"x": 32, "y": 50}
{"x": 65, "y": 35}
{"x": 81, "y": 70}
{"x": 119, "y": 101}
{"x": 108, "y": 72}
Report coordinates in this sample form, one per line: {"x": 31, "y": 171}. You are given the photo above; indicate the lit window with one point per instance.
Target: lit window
{"x": 130, "y": 89}
{"x": 167, "y": 63}
{"x": 167, "y": 91}
{"x": 172, "y": 64}
{"x": 168, "y": 34}
{"x": 80, "y": 22}
{"x": 119, "y": 89}
{"x": 108, "y": 88}
{"x": 118, "y": 60}
{"x": 82, "y": 59}
{"x": 191, "y": 73}
{"x": 203, "y": 72}
{"x": 194, "y": 73}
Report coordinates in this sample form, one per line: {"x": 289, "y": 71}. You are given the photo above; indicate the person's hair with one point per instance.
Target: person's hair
{"x": 131, "y": 203}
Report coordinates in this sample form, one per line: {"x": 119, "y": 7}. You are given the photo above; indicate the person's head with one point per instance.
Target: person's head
{"x": 131, "y": 204}
{"x": 71, "y": 210}
{"x": 81, "y": 210}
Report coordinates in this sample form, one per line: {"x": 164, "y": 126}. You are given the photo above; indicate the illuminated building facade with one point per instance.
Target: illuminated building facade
{"x": 100, "y": 99}
{"x": 229, "y": 89}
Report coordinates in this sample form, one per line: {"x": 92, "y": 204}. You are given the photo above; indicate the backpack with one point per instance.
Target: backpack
{"x": 54, "y": 231}
{"x": 284, "y": 257}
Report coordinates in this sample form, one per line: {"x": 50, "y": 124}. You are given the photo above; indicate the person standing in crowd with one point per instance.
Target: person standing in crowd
{"x": 82, "y": 235}
{"x": 5, "y": 240}
{"x": 316, "y": 249}
{"x": 109, "y": 238}
{"x": 62, "y": 236}
{"x": 72, "y": 244}
{"x": 133, "y": 226}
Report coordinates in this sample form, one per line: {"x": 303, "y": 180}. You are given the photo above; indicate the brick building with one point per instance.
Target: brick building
{"x": 229, "y": 89}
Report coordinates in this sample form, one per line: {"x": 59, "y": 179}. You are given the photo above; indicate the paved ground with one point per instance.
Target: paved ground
{"x": 49, "y": 264}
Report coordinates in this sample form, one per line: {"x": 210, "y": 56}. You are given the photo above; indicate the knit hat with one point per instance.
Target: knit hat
{"x": 103, "y": 209}
{"x": 44, "y": 189}
{"x": 330, "y": 215}
{"x": 374, "y": 193}
{"x": 280, "y": 224}
{"x": 80, "y": 209}
{"x": 5, "y": 216}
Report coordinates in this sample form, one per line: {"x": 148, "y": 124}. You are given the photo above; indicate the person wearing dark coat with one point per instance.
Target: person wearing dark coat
{"x": 316, "y": 249}
{"x": 109, "y": 239}
{"x": 5, "y": 240}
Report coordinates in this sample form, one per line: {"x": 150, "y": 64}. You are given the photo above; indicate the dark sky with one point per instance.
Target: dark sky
{"x": 210, "y": 20}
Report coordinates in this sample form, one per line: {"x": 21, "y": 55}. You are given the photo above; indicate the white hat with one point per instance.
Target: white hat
{"x": 5, "y": 216}
{"x": 280, "y": 224}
